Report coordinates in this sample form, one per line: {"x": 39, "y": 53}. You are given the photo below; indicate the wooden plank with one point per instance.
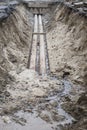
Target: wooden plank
{"x": 42, "y": 48}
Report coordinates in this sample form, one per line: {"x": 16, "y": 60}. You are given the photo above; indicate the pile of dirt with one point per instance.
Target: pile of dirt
{"x": 15, "y": 40}
{"x": 28, "y": 87}
{"x": 67, "y": 43}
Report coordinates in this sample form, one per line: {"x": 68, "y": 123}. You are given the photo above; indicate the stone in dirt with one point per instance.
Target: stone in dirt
{"x": 21, "y": 121}
{"x": 38, "y": 92}
{"x": 45, "y": 116}
{"x": 6, "y": 119}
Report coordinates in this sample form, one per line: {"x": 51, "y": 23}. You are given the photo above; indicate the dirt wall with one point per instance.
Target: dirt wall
{"x": 67, "y": 43}
{"x": 15, "y": 39}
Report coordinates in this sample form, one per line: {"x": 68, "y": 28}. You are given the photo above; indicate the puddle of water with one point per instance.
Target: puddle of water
{"x": 33, "y": 122}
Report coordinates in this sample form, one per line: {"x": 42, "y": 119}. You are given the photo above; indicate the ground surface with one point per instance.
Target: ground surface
{"x": 31, "y": 95}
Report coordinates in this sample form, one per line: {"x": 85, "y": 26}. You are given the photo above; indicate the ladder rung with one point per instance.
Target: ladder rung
{"x": 39, "y": 33}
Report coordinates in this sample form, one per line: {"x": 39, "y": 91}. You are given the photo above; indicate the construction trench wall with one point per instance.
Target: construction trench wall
{"x": 15, "y": 41}
{"x": 67, "y": 42}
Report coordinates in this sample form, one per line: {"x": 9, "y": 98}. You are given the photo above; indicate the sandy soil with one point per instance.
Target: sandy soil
{"x": 67, "y": 40}
{"x": 15, "y": 40}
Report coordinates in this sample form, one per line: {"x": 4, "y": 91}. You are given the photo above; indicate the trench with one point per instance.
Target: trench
{"x": 39, "y": 54}
{"x": 39, "y": 62}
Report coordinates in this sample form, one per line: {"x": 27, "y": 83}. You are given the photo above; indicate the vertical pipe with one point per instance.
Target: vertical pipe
{"x": 34, "y": 45}
{"x": 42, "y": 48}
{"x": 38, "y": 51}
{"x": 36, "y": 24}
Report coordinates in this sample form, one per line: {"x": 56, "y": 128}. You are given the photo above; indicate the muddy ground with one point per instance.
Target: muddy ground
{"x": 56, "y": 101}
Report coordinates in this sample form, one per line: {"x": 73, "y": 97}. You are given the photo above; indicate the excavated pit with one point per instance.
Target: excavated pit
{"x": 43, "y": 69}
